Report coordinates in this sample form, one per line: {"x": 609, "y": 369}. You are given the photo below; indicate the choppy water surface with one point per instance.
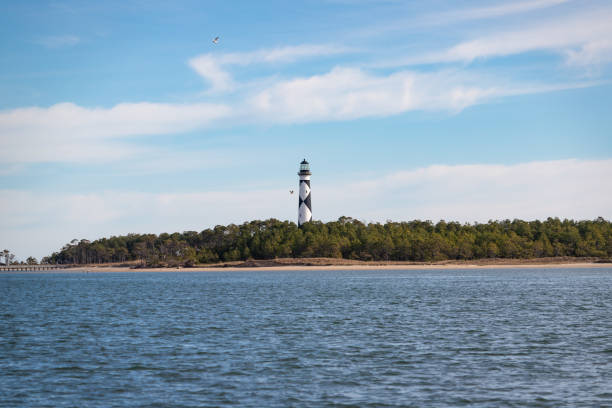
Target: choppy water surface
{"x": 540, "y": 338}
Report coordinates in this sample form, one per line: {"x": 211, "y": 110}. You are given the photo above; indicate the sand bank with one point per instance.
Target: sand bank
{"x": 334, "y": 264}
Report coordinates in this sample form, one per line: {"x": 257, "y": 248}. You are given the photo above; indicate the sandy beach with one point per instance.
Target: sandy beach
{"x": 335, "y": 267}
{"x": 306, "y": 264}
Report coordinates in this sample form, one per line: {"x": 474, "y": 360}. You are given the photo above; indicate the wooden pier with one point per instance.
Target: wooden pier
{"x": 33, "y": 268}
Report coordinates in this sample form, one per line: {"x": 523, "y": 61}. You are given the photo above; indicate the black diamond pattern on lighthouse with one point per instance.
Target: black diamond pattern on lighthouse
{"x": 304, "y": 203}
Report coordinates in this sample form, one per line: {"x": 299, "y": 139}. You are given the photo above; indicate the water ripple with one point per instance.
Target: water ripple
{"x": 504, "y": 338}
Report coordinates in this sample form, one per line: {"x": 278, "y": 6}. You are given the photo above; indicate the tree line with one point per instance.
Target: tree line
{"x": 350, "y": 239}
{"x": 9, "y": 259}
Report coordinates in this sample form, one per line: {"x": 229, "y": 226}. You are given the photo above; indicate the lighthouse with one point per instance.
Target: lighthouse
{"x": 304, "y": 205}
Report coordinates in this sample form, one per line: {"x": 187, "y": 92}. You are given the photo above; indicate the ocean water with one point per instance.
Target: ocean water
{"x": 452, "y": 338}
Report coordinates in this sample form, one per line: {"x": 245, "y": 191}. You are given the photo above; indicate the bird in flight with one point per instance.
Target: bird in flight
{"x": 216, "y": 40}
{"x": 290, "y": 191}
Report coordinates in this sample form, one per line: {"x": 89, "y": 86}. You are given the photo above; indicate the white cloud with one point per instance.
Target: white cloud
{"x": 594, "y": 53}
{"x": 211, "y": 70}
{"x": 503, "y": 9}
{"x": 578, "y": 189}
{"x": 68, "y": 132}
{"x": 449, "y": 17}
{"x": 285, "y": 54}
{"x": 125, "y": 119}
{"x": 212, "y": 66}
{"x": 39, "y": 223}
{"x": 342, "y": 93}
{"x": 350, "y": 93}
{"x": 586, "y": 32}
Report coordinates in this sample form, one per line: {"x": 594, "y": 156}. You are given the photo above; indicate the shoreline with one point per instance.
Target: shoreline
{"x": 338, "y": 265}
{"x": 343, "y": 268}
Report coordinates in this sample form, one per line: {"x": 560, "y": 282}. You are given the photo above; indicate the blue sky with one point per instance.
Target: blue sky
{"x": 124, "y": 116}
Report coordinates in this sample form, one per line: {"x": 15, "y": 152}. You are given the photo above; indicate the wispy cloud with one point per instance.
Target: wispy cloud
{"x": 594, "y": 53}
{"x": 350, "y": 93}
{"x": 582, "y": 37}
{"x": 67, "y": 132}
{"x": 209, "y": 68}
{"x": 464, "y": 193}
{"x": 285, "y": 54}
{"x": 212, "y": 67}
{"x": 58, "y": 41}
{"x": 500, "y": 10}
{"x": 70, "y": 133}
{"x": 480, "y": 192}
{"x": 457, "y": 16}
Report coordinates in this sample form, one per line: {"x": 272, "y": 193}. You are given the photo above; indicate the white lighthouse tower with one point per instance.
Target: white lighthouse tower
{"x": 304, "y": 206}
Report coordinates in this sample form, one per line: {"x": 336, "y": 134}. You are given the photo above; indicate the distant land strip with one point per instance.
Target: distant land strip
{"x": 348, "y": 241}
{"x": 296, "y": 264}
